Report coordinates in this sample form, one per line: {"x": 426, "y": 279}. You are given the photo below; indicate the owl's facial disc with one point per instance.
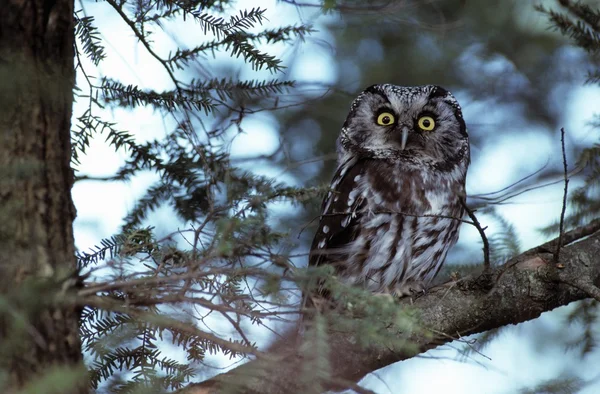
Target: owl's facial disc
{"x": 411, "y": 124}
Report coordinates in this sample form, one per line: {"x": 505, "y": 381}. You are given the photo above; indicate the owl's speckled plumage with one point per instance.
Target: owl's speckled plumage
{"x": 386, "y": 223}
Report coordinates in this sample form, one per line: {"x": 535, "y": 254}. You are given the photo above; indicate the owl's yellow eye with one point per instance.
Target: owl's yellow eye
{"x": 385, "y": 119}
{"x": 426, "y": 123}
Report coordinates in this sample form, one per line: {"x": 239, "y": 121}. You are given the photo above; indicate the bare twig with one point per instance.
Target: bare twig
{"x": 570, "y": 237}
{"x": 486, "y": 244}
{"x": 119, "y": 9}
{"x": 564, "y": 203}
{"x": 516, "y": 183}
{"x": 501, "y": 199}
{"x": 469, "y": 342}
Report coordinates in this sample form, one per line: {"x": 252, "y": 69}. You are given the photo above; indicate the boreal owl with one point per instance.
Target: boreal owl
{"x": 394, "y": 206}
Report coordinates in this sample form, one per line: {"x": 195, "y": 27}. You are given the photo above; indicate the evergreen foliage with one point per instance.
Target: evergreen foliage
{"x": 145, "y": 295}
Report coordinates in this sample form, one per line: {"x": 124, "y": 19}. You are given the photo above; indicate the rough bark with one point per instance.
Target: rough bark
{"x": 37, "y": 260}
{"x": 520, "y": 290}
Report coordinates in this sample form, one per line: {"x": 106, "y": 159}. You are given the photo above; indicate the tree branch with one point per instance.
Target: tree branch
{"x": 561, "y": 226}
{"x": 481, "y": 230}
{"x": 520, "y": 290}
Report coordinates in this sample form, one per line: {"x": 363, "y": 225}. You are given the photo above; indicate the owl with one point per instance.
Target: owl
{"x": 394, "y": 206}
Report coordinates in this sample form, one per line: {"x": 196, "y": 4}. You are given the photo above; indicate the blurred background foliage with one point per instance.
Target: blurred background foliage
{"x": 512, "y": 71}
{"x": 514, "y": 68}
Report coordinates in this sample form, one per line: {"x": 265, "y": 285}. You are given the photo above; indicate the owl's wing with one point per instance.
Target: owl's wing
{"x": 341, "y": 213}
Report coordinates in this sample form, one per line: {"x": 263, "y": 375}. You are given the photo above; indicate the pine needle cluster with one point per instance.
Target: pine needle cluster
{"x": 196, "y": 291}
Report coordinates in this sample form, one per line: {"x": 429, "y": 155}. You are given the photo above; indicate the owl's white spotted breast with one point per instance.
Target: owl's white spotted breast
{"x": 392, "y": 238}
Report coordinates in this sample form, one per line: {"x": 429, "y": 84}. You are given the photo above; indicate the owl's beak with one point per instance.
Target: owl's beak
{"x": 404, "y": 137}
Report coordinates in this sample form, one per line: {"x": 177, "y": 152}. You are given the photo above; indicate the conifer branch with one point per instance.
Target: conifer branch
{"x": 90, "y": 39}
{"x": 467, "y": 307}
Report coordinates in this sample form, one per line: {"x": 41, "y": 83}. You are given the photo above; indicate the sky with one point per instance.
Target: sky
{"x": 510, "y": 362}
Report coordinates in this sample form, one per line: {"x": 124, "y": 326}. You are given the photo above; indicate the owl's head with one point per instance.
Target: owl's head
{"x": 420, "y": 124}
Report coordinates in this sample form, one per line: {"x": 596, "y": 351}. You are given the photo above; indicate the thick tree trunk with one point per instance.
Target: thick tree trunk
{"x": 38, "y": 337}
